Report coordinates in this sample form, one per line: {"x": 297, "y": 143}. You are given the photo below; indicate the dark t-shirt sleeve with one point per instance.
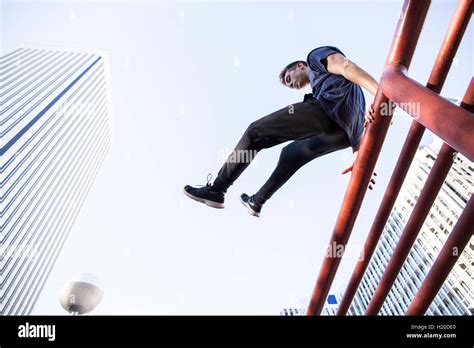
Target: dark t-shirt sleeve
{"x": 316, "y": 57}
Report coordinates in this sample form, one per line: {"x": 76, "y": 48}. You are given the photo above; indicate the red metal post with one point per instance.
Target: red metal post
{"x": 440, "y": 70}
{"x": 457, "y": 240}
{"x": 401, "y": 52}
{"x": 421, "y": 210}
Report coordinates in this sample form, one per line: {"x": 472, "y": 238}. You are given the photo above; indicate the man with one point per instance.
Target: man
{"x": 329, "y": 119}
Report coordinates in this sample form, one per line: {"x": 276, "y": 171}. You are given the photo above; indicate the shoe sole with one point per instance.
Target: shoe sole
{"x": 249, "y": 209}
{"x": 205, "y": 201}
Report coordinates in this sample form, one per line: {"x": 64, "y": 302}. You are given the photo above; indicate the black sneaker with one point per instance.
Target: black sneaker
{"x": 253, "y": 207}
{"x": 205, "y": 194}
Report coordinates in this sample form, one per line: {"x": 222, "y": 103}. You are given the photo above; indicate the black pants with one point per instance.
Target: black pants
{"x": 313, "y": 131}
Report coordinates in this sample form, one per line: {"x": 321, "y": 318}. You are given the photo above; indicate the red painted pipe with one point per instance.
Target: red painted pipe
{"x": 458, "y": 238}
{"x": 421, "y": 210}
{"x": 450, "y": 122}
{"x": 401, "y": 52}
{"x": 459, "y": 21}
{"x": 440, "y": 70}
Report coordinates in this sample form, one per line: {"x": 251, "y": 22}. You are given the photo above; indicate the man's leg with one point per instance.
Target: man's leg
{"x": 296, "y": 121}
{"x": 298, "y": 153}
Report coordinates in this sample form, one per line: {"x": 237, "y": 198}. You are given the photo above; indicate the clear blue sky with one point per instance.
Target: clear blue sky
{"x": 187, "y": 79}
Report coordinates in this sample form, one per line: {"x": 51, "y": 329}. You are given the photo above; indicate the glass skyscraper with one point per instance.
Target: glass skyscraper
{"x": 56, "y": 129}
{"x": 456, "y": 297}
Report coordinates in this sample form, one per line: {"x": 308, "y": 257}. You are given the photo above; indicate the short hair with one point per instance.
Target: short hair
{"x": 290, "y": 67}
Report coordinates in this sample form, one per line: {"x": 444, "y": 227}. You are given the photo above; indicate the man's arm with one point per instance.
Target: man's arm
{"x": 340, "y": 65}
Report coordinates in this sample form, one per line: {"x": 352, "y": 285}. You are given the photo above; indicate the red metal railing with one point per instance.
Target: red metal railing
{"x": 453, "y": 124}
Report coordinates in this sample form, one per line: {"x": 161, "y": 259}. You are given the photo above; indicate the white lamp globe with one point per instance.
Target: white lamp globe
{"x": 81, "y": 294}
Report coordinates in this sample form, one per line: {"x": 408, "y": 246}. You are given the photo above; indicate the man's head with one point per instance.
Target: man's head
{"x": 295, "y": 75}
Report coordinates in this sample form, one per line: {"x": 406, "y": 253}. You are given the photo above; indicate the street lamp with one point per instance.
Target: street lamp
{"x": 81, "y": 294}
